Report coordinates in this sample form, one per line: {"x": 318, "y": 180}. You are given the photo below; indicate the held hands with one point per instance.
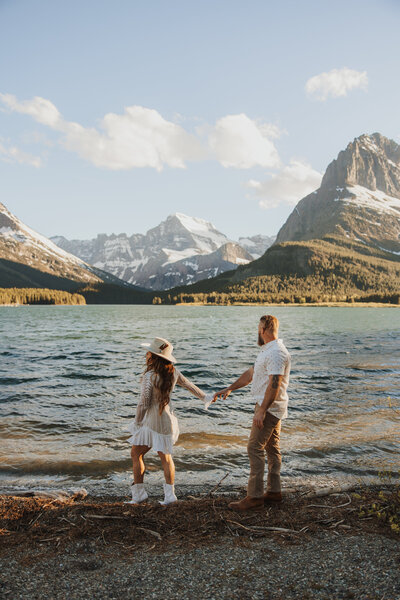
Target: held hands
{"x": 259, "y": 417}
{"x": 222, "y": 394}
{"x": 210, "y": 398}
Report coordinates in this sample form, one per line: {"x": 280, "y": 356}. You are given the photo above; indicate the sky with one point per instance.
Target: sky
{"x": 114, "y": 115}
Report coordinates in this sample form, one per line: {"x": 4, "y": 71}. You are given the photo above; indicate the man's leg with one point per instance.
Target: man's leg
{"x": 258, "y": 442}
{"x": 274, "y": 462}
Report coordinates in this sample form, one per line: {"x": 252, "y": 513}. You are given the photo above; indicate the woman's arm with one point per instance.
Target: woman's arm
{"x": 145, "y": 398}
{"x": 191, "y": 387}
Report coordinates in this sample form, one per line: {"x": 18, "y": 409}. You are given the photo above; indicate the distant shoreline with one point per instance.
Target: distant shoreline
{"x": 280, "y": 304}
{"x": 305, "y": 305}
{"x": 37, "y": 304}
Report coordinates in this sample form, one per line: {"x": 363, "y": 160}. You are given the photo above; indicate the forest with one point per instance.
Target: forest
{"x": 39, "y": 296}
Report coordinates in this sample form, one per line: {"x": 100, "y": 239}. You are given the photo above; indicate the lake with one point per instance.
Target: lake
{"x": 70, "y": 379}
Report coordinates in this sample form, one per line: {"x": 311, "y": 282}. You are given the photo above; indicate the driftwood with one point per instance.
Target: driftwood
{"x": 214, "y": 489}
{"x": 61, "y": 495}
{"x": 151, "y": 532}
{"x": 28, "y": 521}
{"x": 102, "y": 516}
{"x": 340, "y": 489}
{"x": 256, "y": 528}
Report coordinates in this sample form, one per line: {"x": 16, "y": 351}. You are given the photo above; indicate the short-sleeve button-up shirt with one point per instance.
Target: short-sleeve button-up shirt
{"x": 273, "y": 359}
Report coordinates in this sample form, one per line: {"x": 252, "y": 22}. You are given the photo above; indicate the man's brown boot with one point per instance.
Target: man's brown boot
{"x": 247, "y": 504}
{"x": 272, "y": 497}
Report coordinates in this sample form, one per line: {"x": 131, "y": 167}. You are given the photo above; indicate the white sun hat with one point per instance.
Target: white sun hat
{"x": 161, "y": 347}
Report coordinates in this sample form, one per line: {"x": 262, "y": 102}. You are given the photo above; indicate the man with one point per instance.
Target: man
{"x": 269, "y": 380}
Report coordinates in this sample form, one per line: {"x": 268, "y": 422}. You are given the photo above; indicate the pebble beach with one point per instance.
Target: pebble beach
{"x": 310, "y": 546}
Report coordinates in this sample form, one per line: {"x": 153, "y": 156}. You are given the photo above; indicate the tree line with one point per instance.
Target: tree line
{"x": 271, "y": 289}
{"x": 39, "y": 296}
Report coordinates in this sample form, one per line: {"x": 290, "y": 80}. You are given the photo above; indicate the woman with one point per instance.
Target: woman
{"x": 155, "y": 425}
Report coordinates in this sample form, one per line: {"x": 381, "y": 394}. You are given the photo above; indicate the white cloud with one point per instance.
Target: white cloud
{"x": 238, "y": 141}
{"x": 290, "y": 185}
{"x": 141, "y": 137}
{"x": 40, "y": 109}
{"x": 336, "y": 83}
{"x": 13, "y": 154}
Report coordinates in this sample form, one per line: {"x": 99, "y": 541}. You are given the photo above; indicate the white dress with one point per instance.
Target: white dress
{"x": 149, "y": 428}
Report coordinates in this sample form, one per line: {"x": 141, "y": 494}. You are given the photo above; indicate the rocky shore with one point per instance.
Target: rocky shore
{"x": 343, "y": 544}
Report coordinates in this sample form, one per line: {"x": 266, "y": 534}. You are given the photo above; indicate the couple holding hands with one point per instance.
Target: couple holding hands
{"x": 156, "y": 427}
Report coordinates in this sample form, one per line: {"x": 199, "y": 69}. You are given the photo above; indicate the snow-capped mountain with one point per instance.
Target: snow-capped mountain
{"x": 257, "y": 244}
{"x": 359, "y": 198}
{"x": 179, "y": 251}
{"x": 24, "y": 254}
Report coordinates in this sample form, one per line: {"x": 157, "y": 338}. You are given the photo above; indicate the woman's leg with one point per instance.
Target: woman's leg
{"x": 168, "y": 466}
{"x": 138, "y": 467}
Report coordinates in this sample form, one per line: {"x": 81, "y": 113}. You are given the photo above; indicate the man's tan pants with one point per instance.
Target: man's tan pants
{"x": 261, "y": 441}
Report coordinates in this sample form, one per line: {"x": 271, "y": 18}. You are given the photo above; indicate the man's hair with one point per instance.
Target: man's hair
{"x": 270, "y": 322}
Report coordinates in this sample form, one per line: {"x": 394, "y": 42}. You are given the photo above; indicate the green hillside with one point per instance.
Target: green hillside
{"x": 333, "y": 269}
{"x": 18, "y": 275}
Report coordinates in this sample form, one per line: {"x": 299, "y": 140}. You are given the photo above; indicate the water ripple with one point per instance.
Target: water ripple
{"x": 70, "y": 381}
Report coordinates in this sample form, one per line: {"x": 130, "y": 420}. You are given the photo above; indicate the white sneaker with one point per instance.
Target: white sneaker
{"x": 139, "y": 494}
{"x": 169, "y": 494}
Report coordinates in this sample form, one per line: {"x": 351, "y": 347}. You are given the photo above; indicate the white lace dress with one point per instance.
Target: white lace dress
{"x": 149, "y": 428}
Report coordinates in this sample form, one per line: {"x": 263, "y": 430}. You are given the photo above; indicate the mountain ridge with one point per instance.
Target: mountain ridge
{"x": 172, "y": 253}
{"x": 345, "y": 206}
{"x": 342, "y": 238}
{"x": 30, "y": 260}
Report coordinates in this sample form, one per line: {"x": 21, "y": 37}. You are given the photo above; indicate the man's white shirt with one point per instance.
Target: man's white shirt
{"x": 273, "y": 359}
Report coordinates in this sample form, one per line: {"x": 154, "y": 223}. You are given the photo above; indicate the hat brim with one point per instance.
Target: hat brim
{"x": 170, "y": 359}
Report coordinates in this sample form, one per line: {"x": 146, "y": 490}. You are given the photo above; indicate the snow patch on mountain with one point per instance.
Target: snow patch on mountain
{"x": 20, "y": 232}
{"x": 374, "y": 199}
{"x": 175, "y": 255}
{"x": 22, "y": 245}
{"x": 256, "y": 245}
{"x": 180, "y": 242}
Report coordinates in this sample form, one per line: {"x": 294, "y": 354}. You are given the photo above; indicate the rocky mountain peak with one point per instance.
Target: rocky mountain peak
{"x": 372, "y": 161}
{"x": 359, "y": 198}
{"x": 180, "y": 250}
{"x": 180, "y": 232}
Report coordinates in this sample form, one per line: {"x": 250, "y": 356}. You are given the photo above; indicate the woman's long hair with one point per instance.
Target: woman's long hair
{"x": 163, "y": 379}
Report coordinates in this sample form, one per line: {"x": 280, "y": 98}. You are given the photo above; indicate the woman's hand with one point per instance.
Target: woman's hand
{"x": 222, "y": 394}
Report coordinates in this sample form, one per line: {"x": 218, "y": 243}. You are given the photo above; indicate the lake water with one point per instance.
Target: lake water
{"x": 70, "y": 378}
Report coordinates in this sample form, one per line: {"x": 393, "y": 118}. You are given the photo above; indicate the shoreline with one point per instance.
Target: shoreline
{"x": 293, "y": 304}
{"x": 279, "y": 304}
{"x": 311, "y": 546}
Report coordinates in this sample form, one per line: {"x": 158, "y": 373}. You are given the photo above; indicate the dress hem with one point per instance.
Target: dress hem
{"x": 144, "y": 436}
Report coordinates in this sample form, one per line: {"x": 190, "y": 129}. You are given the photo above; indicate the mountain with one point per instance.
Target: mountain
{"x": 341, "y": 241}
{"x": 257, "y": 244}
{"x": 30, "y": 260}
{"x": 22, "y": 245}
{"x": 199, "y": 267}
{"x": 359, "y": 198}
{"x": 180, "y": 250}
